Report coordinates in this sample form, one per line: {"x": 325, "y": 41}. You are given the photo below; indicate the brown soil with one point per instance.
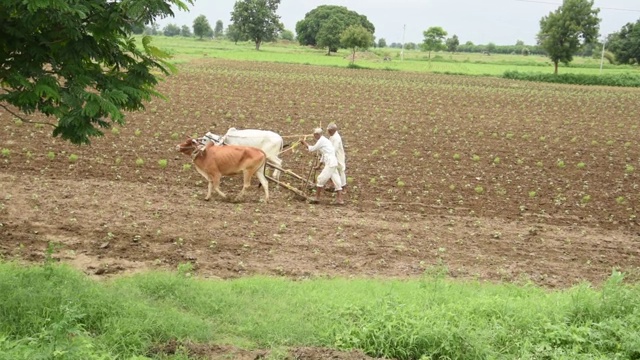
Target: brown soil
{"x": 418, "y": 198}
{"x": 217, "y": 352}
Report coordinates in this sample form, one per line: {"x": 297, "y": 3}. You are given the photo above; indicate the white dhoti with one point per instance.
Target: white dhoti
{"x": 341, "y": 172}
{"x": 330, "y": 172}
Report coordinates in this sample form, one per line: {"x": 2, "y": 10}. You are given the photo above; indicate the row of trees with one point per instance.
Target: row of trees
{"x": 201, "y": 28}
{"x": 254, "y": 20}
{"x": 327, "y": 26}
{"x": 570, "y": 30}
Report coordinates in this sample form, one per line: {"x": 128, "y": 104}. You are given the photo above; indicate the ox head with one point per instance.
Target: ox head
{"x": 189, "y": 146}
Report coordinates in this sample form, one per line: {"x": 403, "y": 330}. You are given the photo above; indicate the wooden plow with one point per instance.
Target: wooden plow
{"x": 305, "y": 183}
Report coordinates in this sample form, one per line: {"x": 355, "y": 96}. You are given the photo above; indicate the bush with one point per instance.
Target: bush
{"x": 625, "y": 80}
{"x": 356, "y": 66}
{"x": 391, "y": 330}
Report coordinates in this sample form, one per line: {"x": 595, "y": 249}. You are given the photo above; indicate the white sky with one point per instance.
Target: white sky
{"x": 502, "y": 22}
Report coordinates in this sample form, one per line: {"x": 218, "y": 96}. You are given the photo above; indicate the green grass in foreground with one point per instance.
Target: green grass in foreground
{"x": 53, "y": 312}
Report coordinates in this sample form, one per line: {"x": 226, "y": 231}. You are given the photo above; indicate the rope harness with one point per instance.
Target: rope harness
{"x": 196, "y": 145}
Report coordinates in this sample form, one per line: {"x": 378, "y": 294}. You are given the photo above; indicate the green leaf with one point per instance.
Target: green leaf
{"x": 82, "y": 66}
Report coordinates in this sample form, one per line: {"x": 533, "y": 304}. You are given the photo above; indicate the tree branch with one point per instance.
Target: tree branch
{"x": 25, "y": 120}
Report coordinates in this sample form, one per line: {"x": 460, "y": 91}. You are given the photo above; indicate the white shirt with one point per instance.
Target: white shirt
{"x": 327, "y": 150}
{"x": 336, "y": 141}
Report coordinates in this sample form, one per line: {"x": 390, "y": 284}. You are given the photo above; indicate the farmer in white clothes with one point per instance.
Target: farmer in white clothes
{"x": 330, "y": 170}
{"x": 336, "y": 141}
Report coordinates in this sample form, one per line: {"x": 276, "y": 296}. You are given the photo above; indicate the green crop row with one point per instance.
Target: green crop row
{"x": 624, "y": 79}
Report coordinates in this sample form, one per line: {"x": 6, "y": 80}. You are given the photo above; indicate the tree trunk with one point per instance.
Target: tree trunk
{"x": 329, "y": 51}
{"x": 555, "y": 72}
{"x": 258, "y": 42}
{"x": 353, "y": 57}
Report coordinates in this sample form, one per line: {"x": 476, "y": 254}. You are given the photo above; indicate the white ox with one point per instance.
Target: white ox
{"x": 268, "y": 141}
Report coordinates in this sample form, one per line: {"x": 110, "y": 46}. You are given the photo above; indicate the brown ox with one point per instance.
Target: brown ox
{"x": 214, "y": 162}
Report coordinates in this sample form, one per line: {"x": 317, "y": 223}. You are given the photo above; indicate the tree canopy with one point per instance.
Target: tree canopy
{"x": 356, "y": 37}
{"x": 335, "y": 19}
{"x": 201, "y": 27}
{"x": 218, "y": 31}
{"x": 287, "y": 35}
{"x": 625, "y": 44}
{"x": 171, "y": 30}
{"x": 329, "y": 34}
{"x": 453, "y": 43}
{"x": 434, "y": 39}
{"x": 257, "y": 19}
{"x": 564, "y": 31}
{"x": 490, "y": 48}
{"x": 76, "y": 61}
{"x": 185, "y": 31}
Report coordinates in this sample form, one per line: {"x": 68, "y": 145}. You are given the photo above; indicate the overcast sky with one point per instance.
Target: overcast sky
{"x": 502, "y": 22}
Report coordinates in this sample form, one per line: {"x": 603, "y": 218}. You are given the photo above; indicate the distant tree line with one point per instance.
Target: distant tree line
{"x": 501, "y": 49}
{"x": 571, "y": 30}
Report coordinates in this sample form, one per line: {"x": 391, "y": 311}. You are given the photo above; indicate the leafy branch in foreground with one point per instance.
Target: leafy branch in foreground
{"x": 77, "y": 61}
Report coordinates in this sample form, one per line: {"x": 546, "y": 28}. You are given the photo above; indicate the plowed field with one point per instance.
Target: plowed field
{"x": 491, "y": 179}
